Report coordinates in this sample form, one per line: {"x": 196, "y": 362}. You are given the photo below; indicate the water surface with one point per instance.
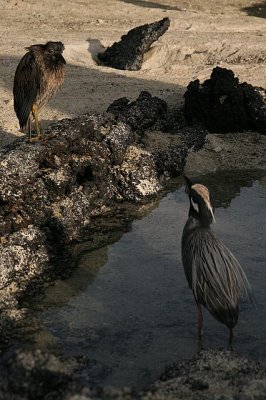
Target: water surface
{"x": 128, "y": 307}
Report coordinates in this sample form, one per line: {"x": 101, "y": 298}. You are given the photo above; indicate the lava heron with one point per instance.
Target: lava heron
{"x": 39, "y": 74}
{"x": 213, "y": 273}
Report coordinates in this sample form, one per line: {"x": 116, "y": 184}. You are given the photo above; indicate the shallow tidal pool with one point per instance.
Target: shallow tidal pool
{"x": 128, "y": 308}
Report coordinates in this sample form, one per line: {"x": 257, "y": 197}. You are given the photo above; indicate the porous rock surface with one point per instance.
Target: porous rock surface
{"x": 141, "y": 114}
{"x": 219, "y": 375}
{"x": 35, "y": 375}
{"x": 129, "y": 51}
{"x": 221, "y": 104}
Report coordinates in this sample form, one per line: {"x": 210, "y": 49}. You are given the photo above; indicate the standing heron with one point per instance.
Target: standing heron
{"x": 39, "y": 74}
{"x": 213, "y": 273}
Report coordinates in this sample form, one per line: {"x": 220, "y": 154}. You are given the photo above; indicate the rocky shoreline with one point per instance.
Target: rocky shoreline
{"x": 63, "y": 189}
{"x": 67, "y": 188}
{"x": 220, "y": 374}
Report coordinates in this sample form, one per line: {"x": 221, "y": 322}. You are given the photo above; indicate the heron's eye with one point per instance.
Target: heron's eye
{"x": 51, "y": 51}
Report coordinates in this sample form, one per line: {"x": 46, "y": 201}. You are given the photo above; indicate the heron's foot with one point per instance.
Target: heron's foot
{"x": 48, "y": 136}
{"x": 200, "y": 344}
{"x": 34, "y": 139}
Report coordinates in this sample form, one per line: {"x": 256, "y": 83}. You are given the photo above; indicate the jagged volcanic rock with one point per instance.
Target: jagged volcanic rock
{"x": 52, "y": 191}
{"x": 34, "y": 376}
{"x": 211, "y": 375}
{"x": 129, "y": 51}
{"x": 141, "y": 114}
{"x": 221, "y": 104}
{"x": 223, "y": 375}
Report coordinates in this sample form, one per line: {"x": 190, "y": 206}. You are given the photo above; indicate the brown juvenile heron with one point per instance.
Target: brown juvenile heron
{"x": 39, "y": 74}
{"x": 213, "y": 273}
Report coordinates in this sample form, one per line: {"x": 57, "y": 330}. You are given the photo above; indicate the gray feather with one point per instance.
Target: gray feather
{"x": 213, "y": 273}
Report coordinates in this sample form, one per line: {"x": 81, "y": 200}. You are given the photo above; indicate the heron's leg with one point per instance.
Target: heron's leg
{"x": 35, "y": 116}
{"x": 200, "y": 320}
{"x": 29, "y": 129}
{"x": 231, "y": 336}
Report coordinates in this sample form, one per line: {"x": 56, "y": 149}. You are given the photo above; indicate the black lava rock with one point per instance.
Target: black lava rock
{"x": 34, "y": 376}
{"x": 211, "y": 375}
{"x": 144, "y": 113}
{"x": 128, "y": 52}
{"x": 223, "y": 105}
{"x": 193, "y": 137}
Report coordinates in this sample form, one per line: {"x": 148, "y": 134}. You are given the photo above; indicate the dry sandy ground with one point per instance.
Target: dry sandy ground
{"x": 202, "y": 34}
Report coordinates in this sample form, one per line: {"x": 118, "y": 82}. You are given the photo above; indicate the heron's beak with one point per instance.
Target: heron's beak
{"x": 188, "y": 184}
{"x": 211, "y": 211}
{"x": 213, "y": 217}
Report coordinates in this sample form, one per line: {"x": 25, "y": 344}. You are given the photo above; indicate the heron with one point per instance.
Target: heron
{"x": 39, "y": 74}
{"x": 212, "y": 271}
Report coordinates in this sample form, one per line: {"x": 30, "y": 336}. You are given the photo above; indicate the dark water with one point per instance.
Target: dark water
{"x": 128, "y": 308}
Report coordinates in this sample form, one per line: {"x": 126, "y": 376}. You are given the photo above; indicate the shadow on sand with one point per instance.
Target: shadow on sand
{"x": 256, "y": 10}
{"x": 151, "y": 4}
{"x": 85, "y": 87}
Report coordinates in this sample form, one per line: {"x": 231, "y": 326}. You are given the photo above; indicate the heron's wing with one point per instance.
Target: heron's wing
{"x": 215, "y": 276}
{"x": 219, "y": 279}
{"x": 220, "y": 268}
{"x": 26, "y": 86}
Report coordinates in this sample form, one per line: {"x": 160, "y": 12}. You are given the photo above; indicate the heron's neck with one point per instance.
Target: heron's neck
{"x": 198, "y": 221}
{"x": 203, "y": 216}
